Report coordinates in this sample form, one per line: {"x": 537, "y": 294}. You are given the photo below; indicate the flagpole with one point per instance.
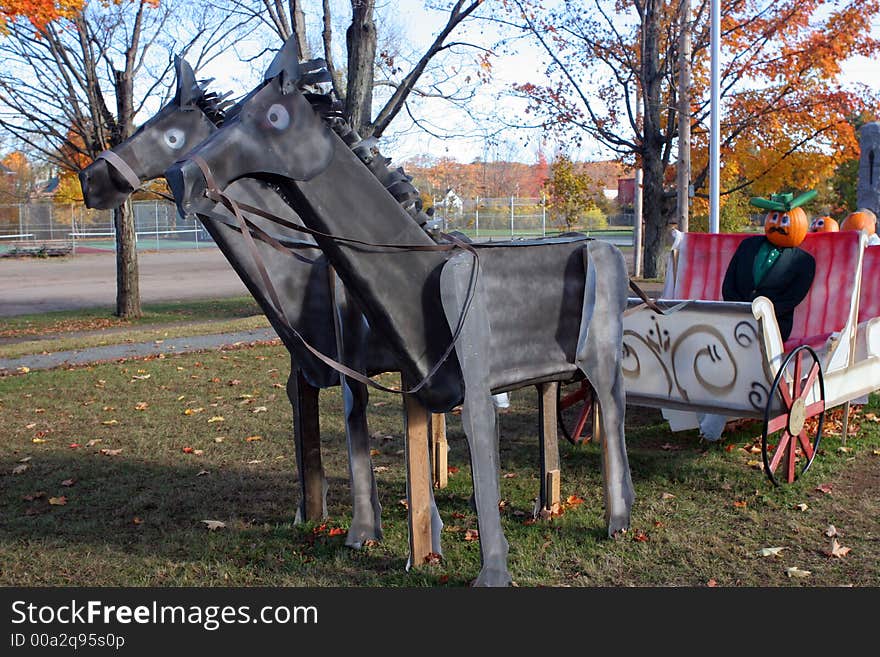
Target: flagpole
{"x": 714, "y": 125}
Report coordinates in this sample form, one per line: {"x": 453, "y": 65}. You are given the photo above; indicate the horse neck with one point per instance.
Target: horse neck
{"x": 397, "y": 289}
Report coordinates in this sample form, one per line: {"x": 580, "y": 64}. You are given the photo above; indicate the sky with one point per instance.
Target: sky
{"x": 418, "y": 25}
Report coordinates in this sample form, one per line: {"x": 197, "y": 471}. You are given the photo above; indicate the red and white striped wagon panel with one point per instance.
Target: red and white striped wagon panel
{"x": 869, "y": 299}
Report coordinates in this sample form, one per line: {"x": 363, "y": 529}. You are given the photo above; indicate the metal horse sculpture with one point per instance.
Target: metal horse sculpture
{"x": 302, "y": 300}
{"x": 464, "y": 321}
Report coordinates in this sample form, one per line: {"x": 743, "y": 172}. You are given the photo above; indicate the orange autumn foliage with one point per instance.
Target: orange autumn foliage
{"x": 39, "y": 12}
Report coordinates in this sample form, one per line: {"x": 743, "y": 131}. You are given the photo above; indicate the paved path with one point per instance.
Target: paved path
{"x": 38, "y": 285}
{"x": 133, "y": 350}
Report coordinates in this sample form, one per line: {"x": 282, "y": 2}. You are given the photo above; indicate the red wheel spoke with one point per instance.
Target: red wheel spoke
{"x": 815, "y": 408}
{"x": 811, "y": 379}
{"x": 777, "y": 423}
{"x": 780, "y": 450}
{"x": 582, "y": 420}
{"x": 796, "y": 381}
{"x": 806, "y": 445}
{"x": 790, "y": 459}
{"x": 786, "y": 395}
{"x": 573, "y": 398}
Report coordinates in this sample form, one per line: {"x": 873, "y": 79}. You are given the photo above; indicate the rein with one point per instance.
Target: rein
{"x": 214, "y": 194}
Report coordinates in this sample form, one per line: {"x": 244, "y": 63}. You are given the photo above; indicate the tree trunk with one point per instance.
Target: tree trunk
{"x": 652, "y": 145}
{"x": 361, "y": 41}
{"x": 128, "y": 298}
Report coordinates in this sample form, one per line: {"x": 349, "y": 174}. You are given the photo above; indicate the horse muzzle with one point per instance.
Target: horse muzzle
{"x": 187, "y": 183}
{"x": 102, "y": 187}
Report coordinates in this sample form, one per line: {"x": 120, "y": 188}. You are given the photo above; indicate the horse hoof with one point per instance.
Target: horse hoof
{"x": 493, "y": 577}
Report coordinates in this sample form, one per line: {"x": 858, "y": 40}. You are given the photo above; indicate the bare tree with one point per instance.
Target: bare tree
{"x": 72, "y": 88}
{"x": 368, "y": 66}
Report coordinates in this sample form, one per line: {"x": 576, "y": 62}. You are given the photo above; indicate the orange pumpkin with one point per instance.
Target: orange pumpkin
{"x": 861, "y": 219}
{"x": 824, "y": 224}
{"x": 786, "y": 228}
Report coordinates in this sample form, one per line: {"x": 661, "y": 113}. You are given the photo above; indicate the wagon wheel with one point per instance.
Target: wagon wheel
{"x": 575, "y": 412}
{"x": 794, "y": 444}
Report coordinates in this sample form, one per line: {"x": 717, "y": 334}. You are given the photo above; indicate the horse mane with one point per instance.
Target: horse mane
{"x": 316, "y": 85}
{"x": 212, "y": 103}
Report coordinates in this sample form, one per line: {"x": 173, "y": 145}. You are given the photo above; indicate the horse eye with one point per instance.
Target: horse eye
{"x": 278, "y": 117}
{"x": 174, "y": 138}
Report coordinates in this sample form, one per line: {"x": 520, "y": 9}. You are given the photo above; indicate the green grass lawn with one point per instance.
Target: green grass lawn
{"x": 140, "y": 453}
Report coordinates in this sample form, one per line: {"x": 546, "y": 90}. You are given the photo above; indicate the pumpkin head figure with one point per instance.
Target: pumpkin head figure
{"x": 786, "y": 222}
{"x": 861, "y": 219}
{"x": 824, "y": 224}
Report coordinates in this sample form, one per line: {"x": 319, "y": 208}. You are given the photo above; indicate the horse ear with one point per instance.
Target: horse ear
{"x": 285, "y": 66}
{"x": 187, "y": 89}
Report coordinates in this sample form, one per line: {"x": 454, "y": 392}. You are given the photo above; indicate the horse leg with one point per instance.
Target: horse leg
{"x": 366, "y": 518}
{"x": 598, "y": 356}
{"x": 307, "y": 444}
{"x": 550, "y": 497}
{"x": 478, "y": 417}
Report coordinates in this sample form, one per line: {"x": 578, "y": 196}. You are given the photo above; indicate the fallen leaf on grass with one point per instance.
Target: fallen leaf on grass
{"x": 824, "y": 488}
{"x": 336, "y": 531}
{"x": 34, "y": 496}
{"x": 452, "y": 469}
{"x": 457, "y": 515}
{"x": 845, "y": 450}
{"x": 187, "y": 450}
{"x": 667, "y": 496}
{"x": 111, "y": 452}
{"x": 233, "y": 382}
{"x": 93, "y": 442}
{"x": 58, "y": 501}
{"x": 251, "y": 439}
{"x": 137, "y": 521}
{"x": 260, "y": 409}
{"x": 109, "y": 423}
{"x": 730, "y": 447}
{"x": 757, "y": 465}
{"x": 202, "y": 473}
{"x": 831, "y": 531}
{"x": 74, "y": 445}
{"x": 802, "y": 506}
{"x": 740, "y": 504}
{"x": 712, "y": 583}
{"x": 573, "y": 500}
{"x": 380, "y": 403}
{"x": 193, "y": 411}
{"x": 255, "y": 462}
{"x": 770, "y": 551}
{"x": 30, "y": 426}
{"x": 38, "y": 441}
{"x": 19, "y": 469}
{"x": 375, "y": 452}
{"x": 509, "y": 475}
{"x": 68, "y": 482}
{"x": 140, "y": 377}
{"x": 141, "y": 406}
{"x": 216, "y": 418}
{"x": 25, "y": 459}
{"x": 219, "y": 439}
{"x": 214, "y": 524}
{"x": 794, "y": 571}
{"x": 837, "y": 550}
{"x": 24, "y": 370}
{"x": 433, "y": 559}
{"x": 641, "y": 537}
{"x": 403, "y": 502}
{"x": 472, "y": 535}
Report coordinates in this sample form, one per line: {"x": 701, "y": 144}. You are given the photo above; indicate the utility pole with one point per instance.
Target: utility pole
{"x": 683, "y": 182}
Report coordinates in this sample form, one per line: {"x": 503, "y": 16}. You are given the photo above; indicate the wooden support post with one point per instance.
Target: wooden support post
{"x": 439, "y": 450}
{"x": 596, "y": 438}
{"x": 306, "y": 427}
{"x": 549, "y": 438}
{"x": 418, "y": 479}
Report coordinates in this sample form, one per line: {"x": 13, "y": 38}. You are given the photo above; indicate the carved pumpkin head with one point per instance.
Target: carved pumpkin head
{"x": 824, "y": 224}
{"x": 786, "y": 228}
{"x": 861, "y": 219}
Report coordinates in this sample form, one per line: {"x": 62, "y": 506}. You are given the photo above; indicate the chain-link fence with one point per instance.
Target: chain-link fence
{"x": 157, "y": 226}
{"x": 512, "y": 217}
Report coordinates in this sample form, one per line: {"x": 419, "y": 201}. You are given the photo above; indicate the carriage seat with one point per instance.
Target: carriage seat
{"x": 699, "y": 262}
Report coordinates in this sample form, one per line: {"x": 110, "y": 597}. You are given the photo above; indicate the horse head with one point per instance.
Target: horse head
{"x": 274, "y": 132}
{"x": 181, "y": 124}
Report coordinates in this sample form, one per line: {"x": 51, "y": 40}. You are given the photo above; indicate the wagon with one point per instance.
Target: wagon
{"x": 694, "y": 355}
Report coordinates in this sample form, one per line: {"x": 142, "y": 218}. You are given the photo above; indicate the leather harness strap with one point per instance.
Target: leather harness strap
{"x": 122, "y": 167}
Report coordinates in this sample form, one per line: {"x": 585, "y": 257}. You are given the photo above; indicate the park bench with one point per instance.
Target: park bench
{"x": 41, "y": 249}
